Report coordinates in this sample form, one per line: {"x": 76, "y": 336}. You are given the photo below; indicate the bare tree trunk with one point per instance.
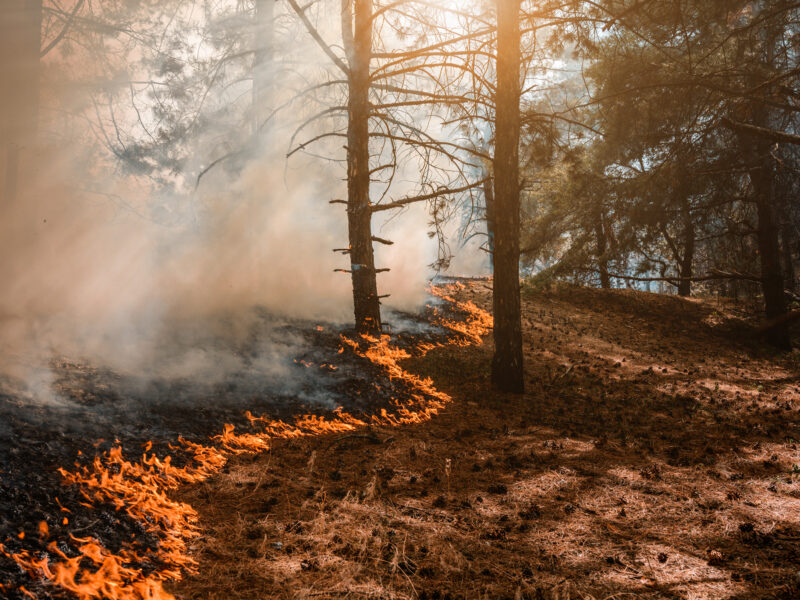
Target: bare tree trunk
{"x": 20, "y": 39}
{"x": 507, "y": 364}
{"x": 365, "y": 287}
{"x": 687, "y": 258}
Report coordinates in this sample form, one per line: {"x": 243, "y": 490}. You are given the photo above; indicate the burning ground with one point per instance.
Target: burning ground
{"x": 654, "y": 456}
{"x": 105, "y": 526}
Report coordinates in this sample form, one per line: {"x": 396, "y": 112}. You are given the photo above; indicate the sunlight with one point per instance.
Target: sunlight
{"x": 399, "y": 299}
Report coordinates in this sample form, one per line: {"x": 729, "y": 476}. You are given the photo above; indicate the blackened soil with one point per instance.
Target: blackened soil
{"x": 83, "y": 409}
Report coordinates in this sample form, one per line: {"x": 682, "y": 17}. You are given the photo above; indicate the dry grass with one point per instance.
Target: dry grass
{"x": 654, "y": 456}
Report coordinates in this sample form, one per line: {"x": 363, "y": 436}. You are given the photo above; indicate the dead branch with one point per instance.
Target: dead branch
{"x": 301, "y": 12}
{"x": 424, "y": 197}
{"x": 67, "y": 25}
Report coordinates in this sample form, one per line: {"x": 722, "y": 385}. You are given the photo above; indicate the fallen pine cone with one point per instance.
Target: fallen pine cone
{"x": 716, "y": 558}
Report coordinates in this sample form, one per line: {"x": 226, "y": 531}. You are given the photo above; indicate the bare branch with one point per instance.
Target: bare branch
{"x": 422, "y": 198}
{"x": 301, "y": 12}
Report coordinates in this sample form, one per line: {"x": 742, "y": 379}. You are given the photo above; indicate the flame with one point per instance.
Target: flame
{"x": 477, "y": 323}
{"x": 139, "y": 488}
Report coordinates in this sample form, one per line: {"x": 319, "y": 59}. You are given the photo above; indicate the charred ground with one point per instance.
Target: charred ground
{"x": 87, "y": 410}
{"x": 655, "y": 455}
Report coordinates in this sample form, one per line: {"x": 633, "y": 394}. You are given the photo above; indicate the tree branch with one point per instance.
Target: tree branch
{"x": 317, "y": 37}
{"x": 770, "y": 134}
{"x": 442, "y": 192}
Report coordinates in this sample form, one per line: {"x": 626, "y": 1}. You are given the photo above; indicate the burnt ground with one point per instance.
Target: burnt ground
{"x": 654, "y": 455}
{"x": 81, "y": 410}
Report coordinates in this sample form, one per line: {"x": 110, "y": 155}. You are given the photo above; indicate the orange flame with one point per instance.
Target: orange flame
{"x": 140, "y": 488}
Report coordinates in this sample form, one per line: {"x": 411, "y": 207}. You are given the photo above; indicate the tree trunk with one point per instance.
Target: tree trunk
{"x": 602, "y": 248}
{"x": 358, "y": 42}
{"x": 507, "y": 366}
{"x": 762, "y": 178}
{"x": 769, "y": 251}
{"x": 20, "y": 39}
{"x": 687, "y": 258}
{"x": 762, "y": 172}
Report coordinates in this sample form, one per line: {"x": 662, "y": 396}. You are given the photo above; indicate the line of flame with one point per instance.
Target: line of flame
{"x": 140, "y": 488}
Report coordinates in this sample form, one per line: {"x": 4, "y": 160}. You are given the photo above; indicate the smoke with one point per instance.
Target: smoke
{"x": 470, "y": 258}
{"x": 104, "y": 268}
{"x": 93, "y": 277}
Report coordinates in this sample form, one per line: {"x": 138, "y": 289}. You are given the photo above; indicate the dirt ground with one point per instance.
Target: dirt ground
{"x": 654, "y": 455}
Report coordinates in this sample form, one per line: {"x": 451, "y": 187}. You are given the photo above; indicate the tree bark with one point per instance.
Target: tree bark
{"x": 507, "y": 364}
{"x": 769, "y": 251}
{"x": 20, "y": 40}
{"x": 758, "y": 151}
{"x": 357, "y": 33}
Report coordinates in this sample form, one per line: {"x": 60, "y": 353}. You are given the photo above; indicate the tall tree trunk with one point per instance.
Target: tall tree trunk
{"x": 772, "y": 283}
{"x": 357, "y": 34}
{"x": 507, "y": 366}
{"x": 687, "y": 258}
{"x": 20, "y": 40}
{"x": 601, "y": 240}
{"x": 763, "y": 180}
{"x": 263, "y": 44}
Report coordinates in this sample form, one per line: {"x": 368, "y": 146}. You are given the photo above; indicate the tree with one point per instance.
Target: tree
{"x": 756, "y": 151}
{"x": 693, "y": 105}
{"x": 376, "y": 110}
{"x": 507, "y": 363}
{"x": 357, "y": 36}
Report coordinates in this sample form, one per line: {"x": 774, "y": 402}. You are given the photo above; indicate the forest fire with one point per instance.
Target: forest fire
{"x": 140, "y": 487}
{"x": 250, "y": 251}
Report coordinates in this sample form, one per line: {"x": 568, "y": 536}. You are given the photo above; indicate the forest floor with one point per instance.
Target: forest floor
{"x": 654, "y": 455}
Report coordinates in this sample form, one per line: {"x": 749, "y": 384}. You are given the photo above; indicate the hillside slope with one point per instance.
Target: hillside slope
{"x": 654, "y": 456}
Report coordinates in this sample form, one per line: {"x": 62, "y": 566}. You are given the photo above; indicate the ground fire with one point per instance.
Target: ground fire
{"x": 140, "y": 487}
{"x": 399, "y": 299}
